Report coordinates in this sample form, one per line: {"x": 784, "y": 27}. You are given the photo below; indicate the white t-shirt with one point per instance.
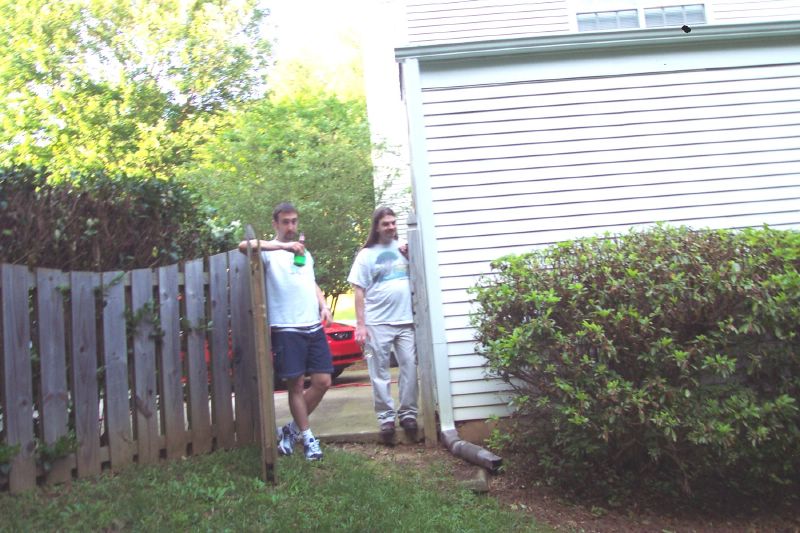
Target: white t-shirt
{"x": 382, "y": 271}
{"x": 291, "y": 290}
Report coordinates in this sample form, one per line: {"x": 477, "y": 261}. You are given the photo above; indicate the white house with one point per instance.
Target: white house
{"x": 533, "y": 121}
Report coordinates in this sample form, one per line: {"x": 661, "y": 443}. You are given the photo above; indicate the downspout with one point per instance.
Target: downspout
{"x": 423, "y": 210}
{"x": 471, "y": 452}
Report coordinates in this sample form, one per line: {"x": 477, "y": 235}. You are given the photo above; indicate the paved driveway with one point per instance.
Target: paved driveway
{"x": 345, "y": 413}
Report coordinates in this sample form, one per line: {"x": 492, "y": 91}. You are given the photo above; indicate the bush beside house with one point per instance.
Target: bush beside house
{"x": 667, "y": 357}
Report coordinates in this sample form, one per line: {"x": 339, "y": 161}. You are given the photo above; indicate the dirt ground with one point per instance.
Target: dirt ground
{"x": 547, "y": 507}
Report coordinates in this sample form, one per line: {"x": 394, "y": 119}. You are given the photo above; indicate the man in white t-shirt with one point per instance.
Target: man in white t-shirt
{"x": 297, "y": 309}
{"x": 384, "y": 322}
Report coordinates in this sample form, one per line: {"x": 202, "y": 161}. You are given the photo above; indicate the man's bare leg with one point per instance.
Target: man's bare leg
{"x": 302, "y": 401}
{"x": 320, "y": 383}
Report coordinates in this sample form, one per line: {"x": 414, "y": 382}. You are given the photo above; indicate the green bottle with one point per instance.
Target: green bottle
{"x": 300, "y": 259}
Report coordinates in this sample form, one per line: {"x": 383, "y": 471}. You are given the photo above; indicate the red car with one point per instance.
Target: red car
{"x": 344, "y": 348}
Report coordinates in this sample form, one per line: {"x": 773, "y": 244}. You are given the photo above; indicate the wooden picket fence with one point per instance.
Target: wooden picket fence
{"x": 128, "y": 367}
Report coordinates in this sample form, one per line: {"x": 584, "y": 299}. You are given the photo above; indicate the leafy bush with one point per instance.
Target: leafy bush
{"x": 666, "y": 357}
{"x": 100, "y": 222}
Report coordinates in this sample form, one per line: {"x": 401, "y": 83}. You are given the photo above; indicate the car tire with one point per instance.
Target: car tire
{"x": 337, "y": 371}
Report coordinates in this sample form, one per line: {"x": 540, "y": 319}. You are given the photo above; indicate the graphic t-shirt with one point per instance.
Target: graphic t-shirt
{"x": 382, "y": 271}
{"x": 291, "y": 290}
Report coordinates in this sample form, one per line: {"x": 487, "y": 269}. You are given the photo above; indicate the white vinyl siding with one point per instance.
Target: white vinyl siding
{"x": 432, "y": 21}
{"x": 447, "y": 21}
{"x": 738, "y": 11}
{"x": 518, "y": 165}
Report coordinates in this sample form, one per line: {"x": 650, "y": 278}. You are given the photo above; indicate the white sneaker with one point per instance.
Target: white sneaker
{"x": 286, "y": 440}
{"x": 312, "y": 449}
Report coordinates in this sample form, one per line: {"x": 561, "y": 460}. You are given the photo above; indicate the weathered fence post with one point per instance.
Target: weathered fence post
{"x": 195, "y": 354}
{"x": 144, "y": 366}
{"x": 422, "y": 331}
{"x": 263, "y": 354}
{"x": 244, "y": 372}
{"x": 54, "y": 414}
{"x": 221, "y": 351}
{"x": 115, "y": 358}
{"x": 84, "y": 372}
{"x": 171, "y": 370}
{"x": 17, "y": 376}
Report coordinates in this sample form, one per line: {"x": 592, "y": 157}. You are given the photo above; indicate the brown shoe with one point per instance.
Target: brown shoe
{"x": 409, "y": 424}
{"x": 387, "y": 428}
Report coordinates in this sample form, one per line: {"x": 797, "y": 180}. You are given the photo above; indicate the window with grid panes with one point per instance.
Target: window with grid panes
{"x": 608, "y": 20}
{"x": 657, "y": 17}
{"x": 604, "y": 15}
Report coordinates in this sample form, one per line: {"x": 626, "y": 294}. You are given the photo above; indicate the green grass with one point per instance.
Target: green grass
{"x": 222, "y": 492}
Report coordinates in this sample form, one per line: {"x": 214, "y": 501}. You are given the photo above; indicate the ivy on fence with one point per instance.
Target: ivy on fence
{"x": 100, "y": 370}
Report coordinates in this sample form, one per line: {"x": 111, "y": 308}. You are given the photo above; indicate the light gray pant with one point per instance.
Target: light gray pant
{"x": 382, "y": 338}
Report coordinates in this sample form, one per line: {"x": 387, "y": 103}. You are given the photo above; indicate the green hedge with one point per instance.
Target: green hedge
{"x": 99, "y": 222}
{"x": 665, "y": 357}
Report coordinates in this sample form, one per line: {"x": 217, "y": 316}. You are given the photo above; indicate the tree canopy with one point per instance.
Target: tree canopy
{"x": 176, "y": 91}
{"x": 125, "y": 85}
{"x": 312, "y": 149}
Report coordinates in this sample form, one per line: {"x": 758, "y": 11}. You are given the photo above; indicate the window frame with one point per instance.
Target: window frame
{"x": 601, "y": 6}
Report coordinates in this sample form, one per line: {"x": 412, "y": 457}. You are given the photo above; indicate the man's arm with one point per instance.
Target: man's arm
{"x": 324, "y": 311}
{"x": 361, "y": 328}
{"x": 268, "y": 246}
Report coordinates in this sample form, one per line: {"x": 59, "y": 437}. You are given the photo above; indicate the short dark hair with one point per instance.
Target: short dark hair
{"x": 374, "y": 234}
{"x": 283, "y": 207}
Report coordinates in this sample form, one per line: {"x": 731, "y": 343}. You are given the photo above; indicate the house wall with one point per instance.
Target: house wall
{"x": 421, "y": 22}
{"x": 441, "y": 21}
{"x": 528, "y": 149}
{"x": 738, "y": 11}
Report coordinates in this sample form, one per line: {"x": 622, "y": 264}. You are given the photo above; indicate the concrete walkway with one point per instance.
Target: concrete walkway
{"x": 345, "y": 413}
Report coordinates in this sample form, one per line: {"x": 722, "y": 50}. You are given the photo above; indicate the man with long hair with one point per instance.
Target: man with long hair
{"x": 384, "y": 322}
{"x": 297, "y": 309}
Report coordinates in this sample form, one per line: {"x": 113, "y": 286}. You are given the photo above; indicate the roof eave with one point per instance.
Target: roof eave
{"x": 576, "y": 42}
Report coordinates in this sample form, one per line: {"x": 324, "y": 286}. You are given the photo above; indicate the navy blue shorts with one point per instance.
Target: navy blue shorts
{"x": 298, "y": 353}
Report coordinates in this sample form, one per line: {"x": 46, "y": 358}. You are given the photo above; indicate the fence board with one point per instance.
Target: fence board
{"x": 144, "y": 365}
{"x": 141, "y": 373}
{"x": 171, "y": 374}
{"x": 84, "y": 372}
{"x": 53, "y": 357}
{"x": 422, "y": 332}
{"x": 243, "y": 346}
{"x": 220, "y": 362}
{"x": 117, "y": 404}
{"x": 263, "y": 360}
{"x": 18, "y": 380}
{"x": 197, "y": 369}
